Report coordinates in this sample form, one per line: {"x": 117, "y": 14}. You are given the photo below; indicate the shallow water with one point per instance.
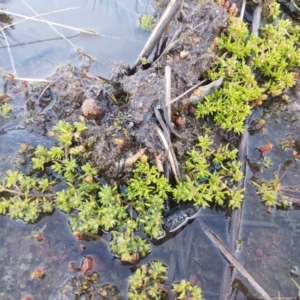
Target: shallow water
{"x": 270, "y": 243}
{"x": 37, "y": 49}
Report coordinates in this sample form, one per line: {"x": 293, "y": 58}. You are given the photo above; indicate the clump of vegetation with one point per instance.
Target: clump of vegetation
{"x": 5, "y": 109}
{"x": 253, "y": 68}
{"x": 148, "y": 283}
{"x": 147, "y": 191}
{"x": 75, "y": 189}
{"x": 210, "y": 176}
{"x": 146, "y": 22}
{"x": 271, "y": 9}
{"x": 271, "y": 192}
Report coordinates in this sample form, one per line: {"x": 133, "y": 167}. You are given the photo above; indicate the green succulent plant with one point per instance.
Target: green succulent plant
{"x": 253, "y": 68}
{"x": 146, "y": 22}
{"x": 5, "y": 109}
{"x": 148, "y": 283}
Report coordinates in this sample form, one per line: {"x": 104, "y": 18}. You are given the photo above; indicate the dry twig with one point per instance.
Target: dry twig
{"x": 234, "y": 262}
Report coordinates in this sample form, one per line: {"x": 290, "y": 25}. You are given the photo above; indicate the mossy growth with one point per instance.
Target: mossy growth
{"x": 270, "y": 9}
{"x": 5, "y": 109}
{"x": 253, "y": 67}
{"x": 62, "y": 178}
{"x": 210, "y": 176}
{"x": 148, "y": 283}
{"x": 146, "y": 22}
{"x": 271, "y": 192}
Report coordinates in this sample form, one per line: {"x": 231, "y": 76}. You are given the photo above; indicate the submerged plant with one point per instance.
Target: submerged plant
{"x": 148, "y": 283}
{"x": 271, "y": 192}
{"x": 5, "y": 109}
{"x": 184, "y": 290}
{"x": 147, "y": 22}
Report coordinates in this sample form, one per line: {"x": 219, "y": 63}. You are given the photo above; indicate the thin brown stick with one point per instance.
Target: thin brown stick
{"x": 243, "y": 9}
{"x": 186, "y": 92}
{"x": 33, "y": 196}
{"x": 234, "y": 262}
{"x": 168, "y": 91}
{"x": 9, "y": 53}
{"x": 88, "y": 31}
{"x": 169, "y": 13}
{"x": 256, "y": 18}
{"x": 55, "y": 30}
{"x": 170, "y": 152}
{"x": 44, "y": 14}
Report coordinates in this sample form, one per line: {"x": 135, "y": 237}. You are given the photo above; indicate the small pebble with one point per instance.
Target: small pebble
{"x": 259, "y": 252}
{"x": 183, "y": 54}
{"x": 192, "y": 110}
{"x": 193, "y": 279}
{"x": 91, "y": 110}
{"x": 180, "y": 121}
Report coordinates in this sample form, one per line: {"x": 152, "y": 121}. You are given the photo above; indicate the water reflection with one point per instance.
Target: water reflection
{"x": 37, "y": 49}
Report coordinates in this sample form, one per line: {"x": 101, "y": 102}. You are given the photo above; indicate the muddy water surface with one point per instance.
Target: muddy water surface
{"x": 269, "y": 241}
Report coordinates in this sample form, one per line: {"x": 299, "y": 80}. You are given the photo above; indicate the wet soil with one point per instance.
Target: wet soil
{"x": 125, "y": 126}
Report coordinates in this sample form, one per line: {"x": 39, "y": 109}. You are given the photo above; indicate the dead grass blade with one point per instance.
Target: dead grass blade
{"x": 256, "y": 18}
{"x": 168, "y": 92}
{"x": 204, "y": 91}
{"x": 44, "y": 14}
{"x": 234, "y": 262}
{"x": 88, "y": 31}
{"x": 186, "y": 92}
{"x": 55, "y": 30}
{"x": 132, "y": 159}
{"x": 169, "y": 13}
{"x": 9, "y": 52}
{"x": 243, "y": 9}
{"x": 171, "y": 155}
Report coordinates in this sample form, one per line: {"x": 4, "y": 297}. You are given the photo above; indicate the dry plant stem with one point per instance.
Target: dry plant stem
{"x": 31, "y": 79}
{"x": 186, "y": 92}
{"x": 169, "y": 13}
{"x": 162, "y": 123}
{"x": 292, "y": 198}
{"x": 294, "y": 3}
{"x": 189, "y": 242}
{"x": 168, "y": 92}
{"x": 39, "y": 15}
{"x": 233, "y": 261}
{"x": 55, "y": 30}
{"x": 39, "y": 41}
{"x": 9, "y": 53}
{"x": 166, "y": 105}
{"x": 22, "y": 78}
{"x": 256, "y": 18}
{"x": 44, "y": 90}
{"x": 235, "y": 224}
{"x": 243, "y": 9}
{"x": 172, "y": 265}
{"x": 170, "y": 152}
{"x": 88, "y": 31}
{"x": 181, "y": 246}
{"x": 164, "y": 41}
{"x": 32, "y": 196}
{"x": 171, "y": 44}
{"x": 205, "y": 91}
